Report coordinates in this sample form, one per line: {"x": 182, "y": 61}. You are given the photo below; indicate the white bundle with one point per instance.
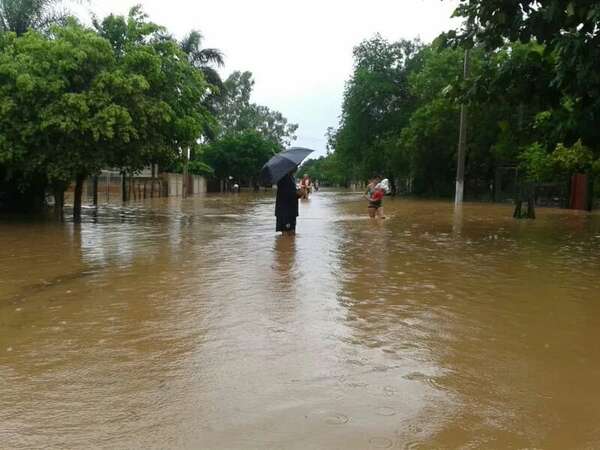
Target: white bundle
{"x": 385, "y": 185}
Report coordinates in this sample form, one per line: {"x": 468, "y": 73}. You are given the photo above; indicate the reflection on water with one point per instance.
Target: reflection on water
{"x": 190, "y": 324}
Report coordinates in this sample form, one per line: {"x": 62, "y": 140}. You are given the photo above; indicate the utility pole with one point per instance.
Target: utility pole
{"x": 462, "y": 143}
{"x": 184, "y": 181}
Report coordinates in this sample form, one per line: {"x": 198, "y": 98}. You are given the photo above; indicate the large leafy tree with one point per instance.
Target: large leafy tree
{"x": 239, "y": 155}
{"x": 55, "y": 117}
{"x": 249, "y": 133}
{"x": 326, "y": 169}
{"x": 237, "y": 113}
{"x": 569, "y": 33}
{"x": 172, "y": 113}
{"x": 427, "y": 143}
{"x": 377, "y": 104}
{"x": 125, "y": 96}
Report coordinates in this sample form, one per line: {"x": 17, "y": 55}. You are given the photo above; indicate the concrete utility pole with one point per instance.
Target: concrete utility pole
{"x": 462, "y": 144}
{"x": 184, "y": 180}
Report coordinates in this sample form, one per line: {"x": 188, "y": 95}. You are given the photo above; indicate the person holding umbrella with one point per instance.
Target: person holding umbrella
{"x": 286, "y": 204}
{"x": 280, "y": 170}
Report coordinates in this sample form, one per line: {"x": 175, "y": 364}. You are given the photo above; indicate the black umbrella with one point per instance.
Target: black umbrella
{"x": 281, "y": 164}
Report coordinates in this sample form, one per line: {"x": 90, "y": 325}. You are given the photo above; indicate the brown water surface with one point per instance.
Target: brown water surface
{"x": 190, "y": 324}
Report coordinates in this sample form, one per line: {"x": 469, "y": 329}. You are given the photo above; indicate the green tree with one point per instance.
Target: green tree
{"x": 569, "y": 31}
{"x": 239, "y": 155}
{"x": 377, "y": 105}
{"x": 325, "y": 169}
{"x": 171, "y": 112}
{"x": 55, "y": 115}
{"x": 237, "y": 113}
{"x": 124, "y": 97}
{"x": 204, "y": 59}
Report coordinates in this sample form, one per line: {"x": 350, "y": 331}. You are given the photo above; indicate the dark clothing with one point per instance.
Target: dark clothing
{"x": 375, "y": 204}
{"x": 286, "y": 204}
{"x": 285, "y": 224}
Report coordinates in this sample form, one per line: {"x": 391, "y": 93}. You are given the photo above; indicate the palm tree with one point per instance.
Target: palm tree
{"x": 21, "y": 15}
{"x": 204, "y": 59}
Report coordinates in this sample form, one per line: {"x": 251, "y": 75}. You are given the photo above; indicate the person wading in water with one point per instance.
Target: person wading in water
{"x": 286, "y": 205}
{"x": 373, "y": 204}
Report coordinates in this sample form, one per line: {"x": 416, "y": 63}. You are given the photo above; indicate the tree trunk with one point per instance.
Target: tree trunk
{"x": 518, "y": 209}
{"x": 95, "y": 190}
{"x": 77, "y": 198}
{"x": 59, "y": 203}
{"x": 590, "y": 197}
{"x": 124, "y": 187}
{"x": 530, "y": 207}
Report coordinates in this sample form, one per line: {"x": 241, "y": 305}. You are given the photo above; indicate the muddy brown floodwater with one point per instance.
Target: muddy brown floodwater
{"x": 190, "y": 324}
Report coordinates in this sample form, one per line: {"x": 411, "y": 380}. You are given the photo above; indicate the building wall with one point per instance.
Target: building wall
{"x": 174, "y": 183}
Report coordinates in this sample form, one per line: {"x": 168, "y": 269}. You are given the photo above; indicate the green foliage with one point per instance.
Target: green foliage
{"x": 377, "y": 104}
{"x": 537, "y": 163}
{"x": 400, "y": 114}
{"x": 567, "y": 33}
{"x": 237, "y": 113}
{"x": 239, "y": 155}
{"x": 541, "y": 165}
{"x": 326, "y": 169}
{"x": 203, "y": 59}
{"x": 574, "y": 159}
{"x": 124, "y": 94}
{"x": 77, "y": 100}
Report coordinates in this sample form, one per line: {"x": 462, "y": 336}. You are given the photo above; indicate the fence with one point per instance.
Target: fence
{"x": 110, "y": 186}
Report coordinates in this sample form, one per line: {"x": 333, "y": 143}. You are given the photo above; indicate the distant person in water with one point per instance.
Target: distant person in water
{"x": 377, "y": 200}
{"x": 286, "y": 205}
{"x": 305, "y": 186}
{"x": 374, "y": 194}
{"x": 373, "y": 205}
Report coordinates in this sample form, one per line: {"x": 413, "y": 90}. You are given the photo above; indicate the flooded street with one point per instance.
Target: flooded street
{"x": 190, "y": 324}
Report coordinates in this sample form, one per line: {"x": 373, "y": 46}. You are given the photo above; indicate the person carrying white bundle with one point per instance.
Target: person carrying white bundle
{"x": 383, "y": 187}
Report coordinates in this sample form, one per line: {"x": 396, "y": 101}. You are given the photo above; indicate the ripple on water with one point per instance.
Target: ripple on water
{"x": 380, "y": 442}
{"x": 336, "y": 419}
{"x": 418, "y": 376}
{"x": 412, "y": 445}
{"x": 385, "y": 411}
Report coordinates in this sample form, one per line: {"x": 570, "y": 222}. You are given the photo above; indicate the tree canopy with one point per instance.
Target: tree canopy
{"x": 237, "y": 113}
{"x": 121, "y": 94}
{"x": 531, "y": 93}
{"x": 77, "y": 100}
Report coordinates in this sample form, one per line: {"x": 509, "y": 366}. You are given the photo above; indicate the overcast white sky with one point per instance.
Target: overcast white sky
{"x": 300, "y": 52}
